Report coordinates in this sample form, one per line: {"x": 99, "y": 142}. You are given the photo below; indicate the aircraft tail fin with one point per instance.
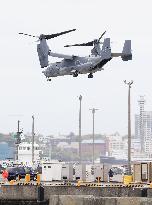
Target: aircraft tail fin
{"x": 106, "y": 49}
{"x": 126, "y": 52}
{"x": 43, "y": 52}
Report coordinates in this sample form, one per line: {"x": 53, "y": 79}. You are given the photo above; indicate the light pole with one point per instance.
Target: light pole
{"x": 18, "y": 140}
{"x": 80, "y": 152}
{"x": 33, "y": 139}
{"x": 129, "y": 127}
{"x": 93, "y": 117}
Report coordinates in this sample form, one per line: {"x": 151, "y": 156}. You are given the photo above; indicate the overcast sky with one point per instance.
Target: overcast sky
{"x": 24, "y": 90}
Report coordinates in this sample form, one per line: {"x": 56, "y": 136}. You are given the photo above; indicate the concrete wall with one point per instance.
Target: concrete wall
{"x": 91, "y": 200}
{"x": 95, "y": 191}
{"x": 22, "y": 202}
{"x": 18, "y": 192}
{"x": 64, "y": 195}
{"x": 149, "y": 193}
{"x": 28, "y": 192}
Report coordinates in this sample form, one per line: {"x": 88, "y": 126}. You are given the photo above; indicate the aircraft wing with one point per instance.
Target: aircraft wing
{"x": 116, "y": 54}
{"x": 58, "y": 55}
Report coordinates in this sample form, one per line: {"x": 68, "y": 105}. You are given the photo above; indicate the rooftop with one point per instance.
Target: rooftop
{"x": 91, "y": 141}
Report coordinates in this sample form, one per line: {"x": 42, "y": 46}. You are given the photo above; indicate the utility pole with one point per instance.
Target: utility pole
{"x": 80, "y": 152}
{"x": 17, "y": 140}
{"x": 50, "y": 150}
{"x": 93, "y": 117}
{"x": 33, "y": 139}
{"x": 129, "y": 126}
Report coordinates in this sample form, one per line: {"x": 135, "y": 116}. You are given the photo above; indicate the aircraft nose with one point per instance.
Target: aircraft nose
{"x": 44, "y": 72}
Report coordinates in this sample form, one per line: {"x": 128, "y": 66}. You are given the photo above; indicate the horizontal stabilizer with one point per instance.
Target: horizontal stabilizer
{"x": 126, "y": 52}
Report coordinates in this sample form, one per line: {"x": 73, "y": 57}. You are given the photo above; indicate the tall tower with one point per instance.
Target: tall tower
{"x": 141, "y": 122}
{"x": 80, "y": 152}
{"x": 33, "y": 139}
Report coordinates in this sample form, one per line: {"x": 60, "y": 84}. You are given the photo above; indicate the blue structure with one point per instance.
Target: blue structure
{"x": 6, "y": 151}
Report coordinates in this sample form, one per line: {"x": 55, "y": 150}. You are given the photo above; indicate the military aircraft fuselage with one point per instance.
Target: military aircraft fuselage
{"x": 75, "y": 65}
{"x": 82, "y": 65}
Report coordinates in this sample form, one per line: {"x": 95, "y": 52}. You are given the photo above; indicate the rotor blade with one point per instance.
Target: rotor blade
{"x": 102, "y": 35}
{"x": 28, "y": 35}
{"x": 57, "y": 34}
{"x": 82, "y": 44}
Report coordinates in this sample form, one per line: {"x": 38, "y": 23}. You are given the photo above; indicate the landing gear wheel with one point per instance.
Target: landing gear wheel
{"x": 90, "y": 75}
{"x": 75, "y": 74}
{"x": 49, "y": 79}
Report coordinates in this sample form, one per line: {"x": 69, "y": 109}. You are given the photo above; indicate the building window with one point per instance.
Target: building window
{"x": 49, "y": 166}
{"x": 28, "y": 148}
{"x": 24, "y": 148}
{"x": 20, "y": 148}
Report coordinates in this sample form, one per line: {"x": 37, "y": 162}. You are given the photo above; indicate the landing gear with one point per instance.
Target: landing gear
{"x": 48, "y": 79}
{"x": 90, "y": 75}
{"x": 75, "y": 74}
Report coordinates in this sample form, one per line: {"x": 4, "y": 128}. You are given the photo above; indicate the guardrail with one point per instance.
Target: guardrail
{"x": 79, "y": 183}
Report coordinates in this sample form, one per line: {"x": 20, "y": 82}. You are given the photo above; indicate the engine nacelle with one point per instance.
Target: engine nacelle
{"x": 43, "y": 52}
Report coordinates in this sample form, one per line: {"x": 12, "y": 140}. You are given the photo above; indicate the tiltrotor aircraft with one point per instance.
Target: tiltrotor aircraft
{"x": 75, "y": 65}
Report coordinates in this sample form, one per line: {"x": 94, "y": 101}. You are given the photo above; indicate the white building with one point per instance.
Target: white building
{"x": 65, "y": 145}
{"x": 52, "y": 171}
{"x": 135, "y": 145}
{"x": 25, "y": 153}
{"x": 143, "y": 128}
{"x": 117, "y": 147}
{"x": 44, "y": 139}
{"x": 146, "y": 133}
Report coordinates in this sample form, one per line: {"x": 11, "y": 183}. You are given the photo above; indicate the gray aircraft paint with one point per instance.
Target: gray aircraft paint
{"x": 43, "y": 51}
{"x": 74, "y": 65}
{"x": 88, "y": 64}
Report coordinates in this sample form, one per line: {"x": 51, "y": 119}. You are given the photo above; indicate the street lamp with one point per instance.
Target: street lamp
{"x": 93, "y": 116}
{"x": 80, "y": 152}
{"x": 18, "y": 138}
{"x": 33, "y": 139}
{"x": 129, "y": 126}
